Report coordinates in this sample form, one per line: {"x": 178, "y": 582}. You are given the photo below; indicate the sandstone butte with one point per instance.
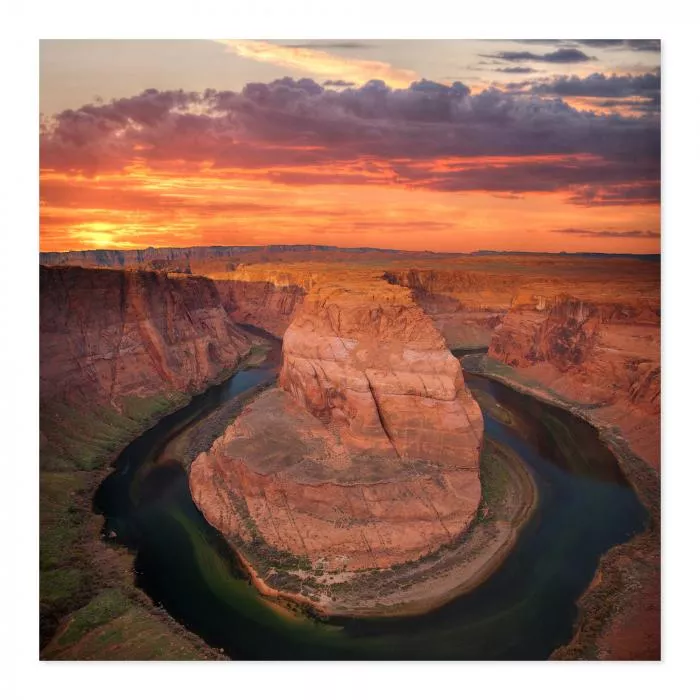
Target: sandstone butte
{"x": 365, "y": 456}
{"x": 586, "y": 329}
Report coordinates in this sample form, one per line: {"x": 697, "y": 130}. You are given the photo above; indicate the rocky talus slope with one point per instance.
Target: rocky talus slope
{"x": 365, "y": 457}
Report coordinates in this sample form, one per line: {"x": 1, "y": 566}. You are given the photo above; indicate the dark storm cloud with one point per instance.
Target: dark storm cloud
{"x": 590, "y": 233}
{"x": 641, "y": 93}
{"x": 563, "y": 55}
{"x": 280, "y": 127}
{"x": 650, "y": 45}
{"x": 594, "y": 195}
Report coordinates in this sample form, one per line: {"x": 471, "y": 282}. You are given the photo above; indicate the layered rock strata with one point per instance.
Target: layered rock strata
{"x": 365, "y": 457}
{"x": 118, "y": 347}
{"x": 465, "y": 305}
{"x": 603, "y": 355}
{"x": 108, "y": 334}
{"x": 587, "y": 329}
{"x": 260, "y": 303}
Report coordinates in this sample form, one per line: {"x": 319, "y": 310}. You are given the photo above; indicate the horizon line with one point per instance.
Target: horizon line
{"x": 480, "y": 251}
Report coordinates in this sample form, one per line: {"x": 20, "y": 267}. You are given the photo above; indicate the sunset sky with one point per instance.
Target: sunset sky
{"x": 420, "y": 145}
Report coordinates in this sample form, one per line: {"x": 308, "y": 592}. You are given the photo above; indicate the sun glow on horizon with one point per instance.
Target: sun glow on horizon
{"x": 143, "y": 207}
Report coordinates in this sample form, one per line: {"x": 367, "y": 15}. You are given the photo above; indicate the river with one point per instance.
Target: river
{"x": 525, "y": 610}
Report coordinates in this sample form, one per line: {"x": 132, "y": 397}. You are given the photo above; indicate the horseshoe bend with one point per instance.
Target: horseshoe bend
{"x": 349, "y": 466}
{"x": 364, "y": 458}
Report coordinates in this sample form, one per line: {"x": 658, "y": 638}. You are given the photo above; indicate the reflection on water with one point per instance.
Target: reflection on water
{"x": 523, "y": 611}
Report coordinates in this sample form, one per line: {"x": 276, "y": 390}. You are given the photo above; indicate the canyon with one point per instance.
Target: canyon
{"x": 585, "y": 329}
{"x": 365, "y": 456}
{"x": 120, "y": 343}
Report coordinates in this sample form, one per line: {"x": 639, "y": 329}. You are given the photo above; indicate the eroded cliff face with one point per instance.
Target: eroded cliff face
{"x": 365, "y": 457}
{"x": 108, "y": 334}
{"x": 465, "y": 305}
{"x": 260, "y": 303}
{"x": 111, "y": 340}
{"x": 376, "y": 369}
{"x": 600, "y": 354}
{"x": 587, "y": 329}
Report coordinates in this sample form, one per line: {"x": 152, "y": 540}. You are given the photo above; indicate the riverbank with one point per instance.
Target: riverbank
{"x": 619, "y": 613}
{"x": 90, "y": 604}
{"x": 509, "y": 498}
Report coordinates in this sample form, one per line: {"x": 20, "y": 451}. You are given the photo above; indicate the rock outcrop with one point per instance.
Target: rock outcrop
{"x": 603, "y": 354}
{"x": 585, "y": 328}
{"x": 260, "y": 303}
{"x": 465, "y": 305}
{"x": 108, "y": 334}
{"x": 376, "y": 369}
{"x": 123, "y": 344}
{"x": 365, "y": 458}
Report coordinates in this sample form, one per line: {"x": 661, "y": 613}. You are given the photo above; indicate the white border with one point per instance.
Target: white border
{"x": 23, "y": 24}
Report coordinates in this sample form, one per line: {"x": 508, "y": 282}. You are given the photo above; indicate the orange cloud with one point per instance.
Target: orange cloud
{"x": 321, "y": 63}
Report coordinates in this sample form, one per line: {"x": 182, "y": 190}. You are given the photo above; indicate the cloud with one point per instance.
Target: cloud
{"x": 563, "y": 55}
{"x": 652, "y": 45}
{"x": 338, "y": 83}
{"x": 634, "y": 93}
{"x": 590, "y": 233}
{"x": 595, "y": 195}
{"x": 331, "y": 45}
{"x": 516, "y": 69}
{"x": 321, "y": 63}
{"x": 600, "y": 85}
{"x": 429, "y": 136}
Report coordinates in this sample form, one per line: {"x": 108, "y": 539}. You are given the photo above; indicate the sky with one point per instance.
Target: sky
{"x": 550, "y": 145}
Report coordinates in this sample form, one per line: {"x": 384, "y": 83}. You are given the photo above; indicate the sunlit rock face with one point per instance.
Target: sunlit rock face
{"x": 587, "y": 328}
{"x": 366, "y": 456}
{"x": 260, "y": 303}
{"x": 375, "y": 368}
{"x": 603, "y": 353}
{"x": 465, "y": 305}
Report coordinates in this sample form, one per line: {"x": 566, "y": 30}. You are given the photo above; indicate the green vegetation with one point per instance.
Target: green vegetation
{"x": 104, "y": 607}
{"x": 85, "y": 583}
{"x": 496, "y": 476}
{"x": 113, "y": 628}
{"x": 73, "y": 438}
{"x": 505, "y": 484}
